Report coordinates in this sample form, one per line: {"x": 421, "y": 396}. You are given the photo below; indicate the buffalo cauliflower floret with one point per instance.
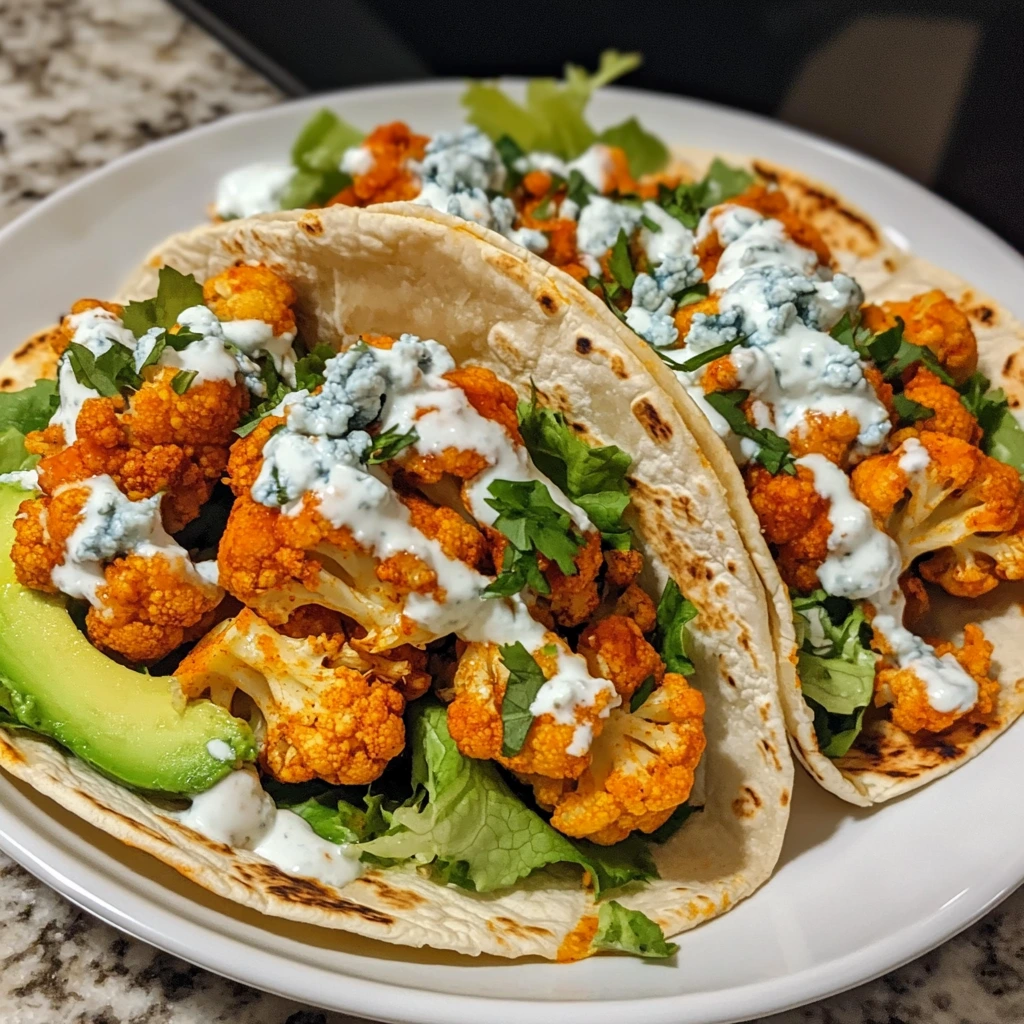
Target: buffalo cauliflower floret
{"x": 332, "y": 723}
{"x": 937, "y": 492}
{"x": 389, "y": 178}
{"x": 636, "y": 604}
{"x": 276, "y": 563}
{"x": 252, "y": 293}
{"x": 615, "y": 649}
{"x": 623, "y": 567}
{"x": 795, "y": 521}
{"x": 475, "y": 722}
{"x": 144, "y": 607}
{"x": 641, "y": 768}
{"x": 907, "y": 693}
{"x": 950, "y": 416}
{"x": 978, "y": 563}
{"x": 932, "y": 319}
{"x": 574, "y": 597}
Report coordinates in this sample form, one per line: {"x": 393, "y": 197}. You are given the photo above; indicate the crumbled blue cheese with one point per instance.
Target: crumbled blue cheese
{"x": 255, "y": 188}
{"x": 600, "y": 222}
{"x": 294, "y": 464}
{"x": 112, "y": 525}
{"x": 650, "y": 314}
{"x": 456, "y": 173}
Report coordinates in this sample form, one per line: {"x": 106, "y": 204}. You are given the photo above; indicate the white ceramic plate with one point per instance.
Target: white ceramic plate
{"x": 856, "y": 892}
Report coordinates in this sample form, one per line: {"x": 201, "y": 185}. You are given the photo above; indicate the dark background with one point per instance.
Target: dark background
{"x": 933, "y": 88}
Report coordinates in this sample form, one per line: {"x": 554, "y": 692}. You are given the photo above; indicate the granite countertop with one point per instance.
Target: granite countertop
{"x": 82, "y": 81}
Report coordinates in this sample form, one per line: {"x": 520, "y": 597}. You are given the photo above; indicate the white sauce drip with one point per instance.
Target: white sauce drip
{"x": 864, "y": 563}
{"x": 357, "y": 160}
{"x": 255, "y": 188}
{"x": 236, "y": 811}
{"x": 594, "y": 163}
{"x": 318, "y": 456}
{"x": 111, "y": 525}
{"x": 220, "y": 751}
{"x": 97, "y": 330}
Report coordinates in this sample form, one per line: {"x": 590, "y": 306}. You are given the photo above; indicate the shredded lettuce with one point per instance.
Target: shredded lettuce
{"x": 836, "y": 667}
{"x": 674, "y": 612}
{"x": 552, "y": 121}
{"x": 630, "y": 931}
{"x": 465, "y": 821}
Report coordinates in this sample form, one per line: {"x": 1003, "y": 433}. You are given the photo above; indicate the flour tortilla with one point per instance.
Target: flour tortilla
{"x": 886, "y": 762}
{"x": 500, "y": 307}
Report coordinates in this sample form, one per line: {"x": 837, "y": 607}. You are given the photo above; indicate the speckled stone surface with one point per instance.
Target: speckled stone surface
{"x": 80, "y": 83}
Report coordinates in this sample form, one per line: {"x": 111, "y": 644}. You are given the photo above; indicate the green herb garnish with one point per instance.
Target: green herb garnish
{"x": 773, "y": 451}
{"x": 524, "y": 681}
{"x": 388, "y": 444}
{"x": 674, "y": 612}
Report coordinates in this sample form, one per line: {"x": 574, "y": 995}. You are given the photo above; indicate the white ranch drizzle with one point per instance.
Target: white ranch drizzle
{"x": 252, "y": 189}
{"x": 864, "y": 564}
{"x": 112, "y": 525}
{"x": 318, "y": 455}
{"x": 236, "y": 811}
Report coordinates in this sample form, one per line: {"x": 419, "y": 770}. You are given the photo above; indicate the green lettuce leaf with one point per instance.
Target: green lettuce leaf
{"x": 13, "y": 454}
{"x": 836, "y": 667}
{"x": 594, "y": 478}
{"x": 466, "y": 822}
{"x": 552, "y": 118}
{"x": 30, "y": 408}
{"x": 630, "y": 931}
{"x": 1003, "y": 436}
{"x": 317, "y": 153}
{"x": 646, "y": 153}
{"x": 674, "y": 612}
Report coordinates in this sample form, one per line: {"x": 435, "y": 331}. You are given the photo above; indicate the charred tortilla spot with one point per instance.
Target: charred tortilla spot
{"x": 769, "y": 750}
{"x": 763, "y": 712}
{"x": 305, "y": 892}
{"x": 517, "y": 929}
{"x": 983, "y": 314}
{"x": 784, "y": 798}
{"x": 583, "y": 345}
{"x": 889, "y": 265}
{"x": 400, "y": 899}
{"x": 548, "y": 303}
{"x": 619, "y": 368}
{"x": 311, "y": 224}
{"x": 198, "y": 838}
{"x": 650, "y": 419}
{"x": 731, "y": 681}
{"x": 10, "y": 754}
{"x": 747, "y": 804}
{"x": 7, "y": 384}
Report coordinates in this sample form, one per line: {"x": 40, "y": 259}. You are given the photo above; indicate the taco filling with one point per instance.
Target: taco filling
{"x": 419, "y": 591}
{"x": 874, "y": 453}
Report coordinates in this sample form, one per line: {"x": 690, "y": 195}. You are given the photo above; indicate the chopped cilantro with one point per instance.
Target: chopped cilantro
{"x": 510, "y": 152}
{"x": 106, "y": 373}
{"x": 620, "y": 263}
{"x": 910, "y": 411}
{"x": 674, "y": 612}
{"x": 892, "y": 354}
{"x": 688, "y": 201}
{"x": 642, "y": 692}
{"x": 1002, "y": 435}
{"x": 387, "y": 444}
{"x": 710, "y": 355}
{"x": 849, "y": 332}
{"x": 578, "y": 189}
{"x": 693, "y": 294}
{"x": 182, "y": 380}
{"x": 525, "y": 678}
{"x": 594, "y": 478}
{"x": 175, "y": 293}
{"x": 607, "y": 292}
{"x": 530, "y": 519}
{"x": 773, "y": 451}
{"x": 519, "y": 570}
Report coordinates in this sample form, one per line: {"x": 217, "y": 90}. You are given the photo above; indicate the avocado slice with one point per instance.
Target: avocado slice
{"x": 137, "y": 729}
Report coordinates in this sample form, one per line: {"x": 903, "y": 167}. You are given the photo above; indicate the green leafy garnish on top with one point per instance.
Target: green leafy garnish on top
{"x": 316, "y": 154}
{"x": 893, "y": 354}
{"x": 108, "y": 373}
{"x": 592, "y": 478}
{"x": 525, "y": 679}
{"x": 388, "y": 444}
{"x": 836, "y": 667}
{"x": 773, "y": 451}
{"x": 689, "y": 201}
{"x": 630, "y": 931}
{"x": 29, "y": 409}
{"x": 175, "y": 293}
{"x": 674, "y": 612}
{"x": 1003, "y": 436}
{"x": 552, "y": 118}
{"x": 532, "y": 523}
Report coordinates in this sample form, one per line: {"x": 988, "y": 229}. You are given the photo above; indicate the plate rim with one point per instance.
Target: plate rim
{"x": 378, "y": 998}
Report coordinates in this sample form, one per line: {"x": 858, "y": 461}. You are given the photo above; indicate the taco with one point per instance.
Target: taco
{"x": 887, "y": 402}
{"x": 467, "y": 652}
